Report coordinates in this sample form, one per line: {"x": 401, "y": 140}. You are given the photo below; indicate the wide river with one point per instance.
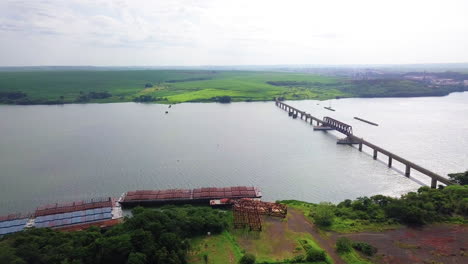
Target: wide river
{"x": 65, "y": 153}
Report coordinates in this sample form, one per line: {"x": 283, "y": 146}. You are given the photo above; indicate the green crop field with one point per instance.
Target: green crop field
{"x": 160, "y": 86}
{"x": 177, "y": 86}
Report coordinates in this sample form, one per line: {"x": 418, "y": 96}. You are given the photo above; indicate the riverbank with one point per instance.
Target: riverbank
{"x": 200, "y": 235}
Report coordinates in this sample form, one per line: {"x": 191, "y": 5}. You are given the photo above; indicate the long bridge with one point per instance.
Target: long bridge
{"x": 328, "y": 123}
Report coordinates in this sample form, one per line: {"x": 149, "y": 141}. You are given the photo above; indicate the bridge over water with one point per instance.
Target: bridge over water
{"x": 328, "y": 123}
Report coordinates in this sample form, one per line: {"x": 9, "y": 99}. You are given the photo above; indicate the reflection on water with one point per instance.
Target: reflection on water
{"x": 61, "y": 153}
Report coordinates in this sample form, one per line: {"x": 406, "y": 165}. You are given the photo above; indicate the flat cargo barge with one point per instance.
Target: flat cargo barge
{"x": 78, "y": 215}
{"x": 366, "y": 121}
{"x": 107, "y": 211}
{"x": 187, "y": 196}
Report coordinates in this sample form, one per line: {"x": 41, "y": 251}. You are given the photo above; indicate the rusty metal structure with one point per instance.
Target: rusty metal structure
{"x": 338, "y": 125}
{"x": 247, "y": 213}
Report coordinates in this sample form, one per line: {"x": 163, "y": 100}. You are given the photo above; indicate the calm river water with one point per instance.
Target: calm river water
{"x": 70, "y": 152}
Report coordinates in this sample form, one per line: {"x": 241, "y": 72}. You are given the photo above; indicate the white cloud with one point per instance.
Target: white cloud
{"x": 183, "y": 32}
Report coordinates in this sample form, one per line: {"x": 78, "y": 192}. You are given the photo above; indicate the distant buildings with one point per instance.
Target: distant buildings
{"x": 435, "y": 80}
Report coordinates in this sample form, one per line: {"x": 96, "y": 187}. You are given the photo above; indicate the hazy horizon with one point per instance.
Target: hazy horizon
{"x": 180, "y": 33}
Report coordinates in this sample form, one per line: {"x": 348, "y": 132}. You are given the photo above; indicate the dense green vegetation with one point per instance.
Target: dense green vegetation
{"x": 150, "y": 236}
{"x": 173, "y": 234}
{"x": 247, "y": 259}
{"x": 347, "y": 250}
{"x": 415, "y": 208}
{"x": 396, "y": 88}
{"x": 345, "y": 245}
{"x": 176, "y": 86}
{"x": 216, "y": 248}
{"x": 460, "y": 178}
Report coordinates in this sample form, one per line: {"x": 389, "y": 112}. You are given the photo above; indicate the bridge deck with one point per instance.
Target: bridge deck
{"x": 329, "y": 123}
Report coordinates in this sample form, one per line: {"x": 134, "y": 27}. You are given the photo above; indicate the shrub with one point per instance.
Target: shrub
{"x": 460, "y": 178}
{"x": 316, "y": 255}
{"x": 136, "y": 258}
{"x": 365, "y": 248}
{"x": 224, "y": 99}
{"x": 12, "y": 95}
{"x": 247, "y": 259}
{"x": 323, "y": 214}
{"x": 344, "y": 245}
{"x": 298, "y": 259}
{"x": 144, "y": 99}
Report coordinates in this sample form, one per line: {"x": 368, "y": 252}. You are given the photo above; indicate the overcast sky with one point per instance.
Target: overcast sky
{"x": 234, "y": 32}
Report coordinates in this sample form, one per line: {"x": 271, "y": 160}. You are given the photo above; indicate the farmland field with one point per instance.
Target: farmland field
{"x": 177, "y": 86}
{"x": 162, "y": 86}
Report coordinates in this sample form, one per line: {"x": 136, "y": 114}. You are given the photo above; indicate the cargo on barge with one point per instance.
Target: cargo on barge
{"x": 12, "y": 223}
{"x": 78, "y": 215}
{"x": 106, "y": 212}
{"x": 187, "y": 196}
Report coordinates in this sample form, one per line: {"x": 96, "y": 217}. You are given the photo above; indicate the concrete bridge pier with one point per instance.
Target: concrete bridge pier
{"x": 360, "y": 146}
{"x": 407, "y": 170}
{"x": 375, "y": 154}
{"x": 390, "y": 161}
{"x": 348, "y": 141}
{"x": 433, "y": 183}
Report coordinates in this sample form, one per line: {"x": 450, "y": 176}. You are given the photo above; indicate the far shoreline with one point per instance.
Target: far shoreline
{"x": 234, "y": 101}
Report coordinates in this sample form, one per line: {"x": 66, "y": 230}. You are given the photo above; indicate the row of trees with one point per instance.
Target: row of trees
{"x": 148, "y": 99}
{"x": 415, "y": 208}
{"x": 21, "y": 98}
{"x": 150, "y": 236}
{"x": 83, "y": 97}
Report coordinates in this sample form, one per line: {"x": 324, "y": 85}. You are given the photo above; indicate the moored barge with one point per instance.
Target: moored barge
{"x": 187, "y": 196}
{"x": 78, "y": 215}
{"x": 106, "y": 212}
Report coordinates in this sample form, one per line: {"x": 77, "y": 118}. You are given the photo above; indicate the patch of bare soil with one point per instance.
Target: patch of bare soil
{"x": 297, "y": 222}
{"x": 442, "y": 243}
{"x": 276, "y": 234}
{"x": 272, "y": 242}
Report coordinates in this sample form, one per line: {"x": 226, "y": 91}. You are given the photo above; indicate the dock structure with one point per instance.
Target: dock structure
{"x": 247, "y": 213}
{"x": 329, "y": 123}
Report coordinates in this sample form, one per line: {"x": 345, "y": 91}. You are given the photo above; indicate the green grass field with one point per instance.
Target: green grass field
{"x": 168, "y": 86}
{"x": 341, "y": 225}
{"x": 218, "y": 248}
{"x": 177, "y": 86}
{"x": 353, "y": 257}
